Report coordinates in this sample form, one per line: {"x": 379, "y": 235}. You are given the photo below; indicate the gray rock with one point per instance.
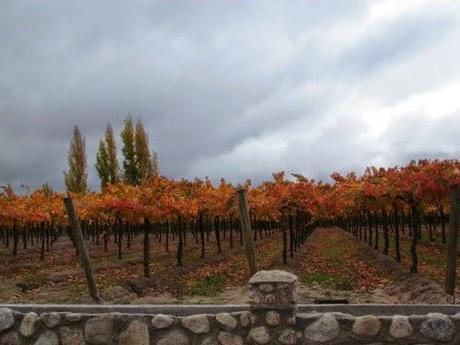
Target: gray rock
{"x": 291, "y": 321}
{"x": 99, "y": 330}
{"x": 437, "y": 327}
{"x": 272, "y": 318}
{"x": 161, "y": 321}
{"x": 400, "y": 327}
{"x": 288, "y": 337}
{"x": 137, "y": 333}
{"x": 47, "y": 338}
{"x": 266, "y": 287}
{"x": 50, "y": 320}
{"x": 245, "y": 319}
{"x": 6, "y": 319}
{"x": 226, "y": 338}
{"x": 270, "y": 299}
{"x": 29, "y": 325}
{"x": 198, "y": 324}
{"x": 174, "y": 338}
{"x": 72, "y": 317}
{"x": 71, "y": 336}
{"x": 322, "y": 330}
{"x": 367, "y": 326}
{"x": 227, "y": 321}
{"x": 253, "y": 298}
{"x": 273, "y": 276}
{"x": 260, "y": 335}
{"x": 10, "y": 338}
{"x": 211, "y": 340}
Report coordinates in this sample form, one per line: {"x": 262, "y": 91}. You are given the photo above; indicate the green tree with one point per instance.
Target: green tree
{"x": 144, "y": 160}
{"x": 75, "y": 178}
{"x": 155, "y": 168}
{"x": 102, "y": 164}
{"x": 112, "y": 161}
{"x": 130, "y": 169}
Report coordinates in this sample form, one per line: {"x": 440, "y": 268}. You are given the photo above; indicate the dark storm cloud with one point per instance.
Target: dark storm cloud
{"x": 225, "y": 88}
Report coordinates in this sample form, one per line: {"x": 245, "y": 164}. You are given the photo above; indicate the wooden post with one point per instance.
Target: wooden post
{"x": 146, "y": 248}
{"x": 246, "y": 230}
{"x": 81, "y": 245}
{"x": 454, "y": 223}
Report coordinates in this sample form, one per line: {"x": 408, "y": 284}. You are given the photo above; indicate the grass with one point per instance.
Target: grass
{"x": 329, "y": 281}
{"x": 317, "y": 277}
{"x": 209, "y": 286}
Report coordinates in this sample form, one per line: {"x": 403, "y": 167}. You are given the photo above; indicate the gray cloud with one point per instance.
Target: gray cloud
{"x": 229, "y": 89}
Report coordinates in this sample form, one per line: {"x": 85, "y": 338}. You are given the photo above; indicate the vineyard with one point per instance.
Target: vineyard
{"x": 184, "y": 237}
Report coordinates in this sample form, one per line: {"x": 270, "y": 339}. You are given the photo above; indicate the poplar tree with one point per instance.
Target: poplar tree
{"x": 130, "y": 169}
{"x": 75, "y": 178}
{"x": 155, "y": 168}
{"x": 144, "y": 160}
{"x": 102, "y": 164}
{"x": 112, "y": 161}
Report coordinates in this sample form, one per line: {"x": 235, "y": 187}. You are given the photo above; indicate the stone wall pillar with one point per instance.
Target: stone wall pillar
{"x": 273, "y": 306}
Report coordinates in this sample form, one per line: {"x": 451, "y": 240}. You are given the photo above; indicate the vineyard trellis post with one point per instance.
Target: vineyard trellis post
{"x": 454, "y": 223}
{"x": 84, "y": 257}
{"x": 246, "y": 230}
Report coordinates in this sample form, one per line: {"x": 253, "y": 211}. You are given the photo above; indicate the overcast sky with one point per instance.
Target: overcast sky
{"x": 237, "y": 89}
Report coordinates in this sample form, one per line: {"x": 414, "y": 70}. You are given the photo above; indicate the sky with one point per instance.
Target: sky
{"x": 226, "y": 88}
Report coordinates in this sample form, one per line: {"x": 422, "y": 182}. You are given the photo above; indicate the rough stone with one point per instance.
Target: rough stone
{"x": 99, "y": 330}
{"x": 226, "y": 338}
{"x": 198, "y": 324}
{"x": 288, "y": 337}
{"x": 6, "y": 319}
{"x": 272, "y": 318}
{"x": 253, "y": 298}
{"x": 71, "y": 336}
{"x": 211, "y": 340}
{"x": 400, "y": 327}
{"x": 437, "y": 327}
{"x": 291, "y": 321}
{"x": 47, "y": 338}
{"x": 137, "y": 333}
{"x": 266, "y": 287}
{"x": 366, "y": 326}
{"x": 29, "y": 325}
{"x": 10, "y": 338}
{"x": 270, "y": 299}
{"x": 245, "y": 319}
{"x": 174, "y": 338}
{"x": 50, "y": 320}
{"x": 227, "y": 321}
{"x": 260, "y": 335}
{"x": 273, "y": 276}
{"x": 72, "y": 317}
{"x": 322, "y": 330}
{"x": 161, "y": 321}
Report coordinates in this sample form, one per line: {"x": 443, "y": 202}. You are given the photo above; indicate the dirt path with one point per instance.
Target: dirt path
{"x": 333, "y": 264}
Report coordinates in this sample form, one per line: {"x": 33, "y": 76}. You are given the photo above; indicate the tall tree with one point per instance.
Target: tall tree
{"x": 130, "y": 169}
{"x": 155, "y": 167}
{"x": 102, "y": 164}
{"x": 76, "y": 177}
{"x": 112, "y": 161}
{"x": 144, "y": 160}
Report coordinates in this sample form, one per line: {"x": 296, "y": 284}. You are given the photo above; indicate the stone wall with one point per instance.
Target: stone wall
{"x": 272, "y": 317}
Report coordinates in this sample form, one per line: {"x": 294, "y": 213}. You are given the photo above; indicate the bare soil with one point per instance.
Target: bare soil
{"x": 331, "y": 265}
